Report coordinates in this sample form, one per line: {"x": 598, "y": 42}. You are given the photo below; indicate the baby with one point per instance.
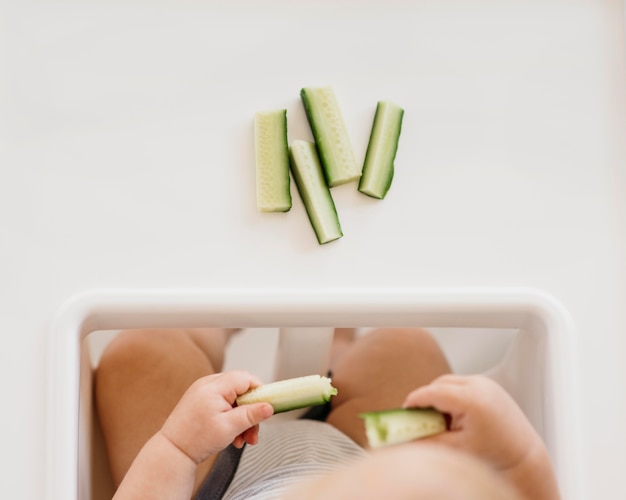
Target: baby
{"x": 173, "y": 430}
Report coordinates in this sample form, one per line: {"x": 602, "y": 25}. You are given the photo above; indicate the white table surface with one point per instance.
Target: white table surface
{"x": 126, "y": 161}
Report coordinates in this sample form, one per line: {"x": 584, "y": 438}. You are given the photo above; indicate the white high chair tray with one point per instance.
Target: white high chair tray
{"x": 127, "y": 162}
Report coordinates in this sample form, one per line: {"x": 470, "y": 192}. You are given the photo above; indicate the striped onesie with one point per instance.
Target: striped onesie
{"x": 288, "y": 452}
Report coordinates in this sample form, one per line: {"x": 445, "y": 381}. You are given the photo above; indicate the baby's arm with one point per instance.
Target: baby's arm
{"x": 486, "y": 422}
{"x": 203, "y": 423}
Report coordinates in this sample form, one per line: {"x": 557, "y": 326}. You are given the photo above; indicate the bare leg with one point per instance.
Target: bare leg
{"x": 342, "y": 342}
{"x": 378, "y": 371}
{"x": 141, "y": 377}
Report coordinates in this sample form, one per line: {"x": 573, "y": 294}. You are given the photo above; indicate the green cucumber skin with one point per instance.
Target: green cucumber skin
{"x": 395, "y": 411}
{"x": 378, "y": 167}
{"x": 273, "y": 182}
{"x": 283, "y": 407}
{"x": 332, "y": 172}
{"x": 309, "y": 182}
{"x": 383, "y": 414}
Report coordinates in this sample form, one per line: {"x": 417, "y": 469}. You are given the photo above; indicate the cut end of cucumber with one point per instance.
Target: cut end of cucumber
{"x": 389, "y": 427}
{"x": 291, "y": 394}
{"x": 378, "y": 192}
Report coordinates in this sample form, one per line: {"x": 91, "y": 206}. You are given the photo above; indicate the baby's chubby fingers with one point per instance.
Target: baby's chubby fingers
{"x": 234, "y": 383}
{"x": 204, "y": 421}
{"x": 445, "y": 397}
{"x": 243, "y": 421}
{"x": 249, "y": 436}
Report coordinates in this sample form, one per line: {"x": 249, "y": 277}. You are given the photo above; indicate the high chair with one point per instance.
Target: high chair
{"x": 534, "y": 364}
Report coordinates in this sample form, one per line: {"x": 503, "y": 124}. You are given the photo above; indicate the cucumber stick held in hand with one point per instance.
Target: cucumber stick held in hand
{"x": 388, "y": 427}
{"x": 382, "y": 428}
{"x": 291, "y": 394}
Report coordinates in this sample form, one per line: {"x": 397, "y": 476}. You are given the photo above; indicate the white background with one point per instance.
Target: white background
{"x": 126, "y": 160}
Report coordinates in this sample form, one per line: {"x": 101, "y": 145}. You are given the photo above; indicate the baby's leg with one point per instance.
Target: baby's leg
{"x": 141, "y": 376}
{"x": 378, "y": 371}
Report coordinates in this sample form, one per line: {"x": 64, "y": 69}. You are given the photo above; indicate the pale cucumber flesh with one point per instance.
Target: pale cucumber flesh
{"x": 292, "y": 394}
{"x": 384, "y": 428}
{"x": 272, "y": 161}
{"x": 331, "y": 135}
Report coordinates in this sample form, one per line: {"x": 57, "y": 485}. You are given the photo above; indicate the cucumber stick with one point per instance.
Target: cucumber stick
{"x": 388, "y": 427}
{"x": 291, "y": 394}
{"x": 272, "y": 161}
{"x": 315, "y": 194}
{"x": 381, "y": 150}
{"x": 331, "y": 135}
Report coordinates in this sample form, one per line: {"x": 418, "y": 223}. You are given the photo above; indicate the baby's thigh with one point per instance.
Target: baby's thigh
{"x": 378, "y": 371}
{"x": 141, "y": 377}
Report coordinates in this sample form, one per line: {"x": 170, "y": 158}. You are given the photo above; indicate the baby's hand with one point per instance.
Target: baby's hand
{"x": 485, "y": 420}
{"x": 487, "y": 423}
{"x": 205, "y": 422}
